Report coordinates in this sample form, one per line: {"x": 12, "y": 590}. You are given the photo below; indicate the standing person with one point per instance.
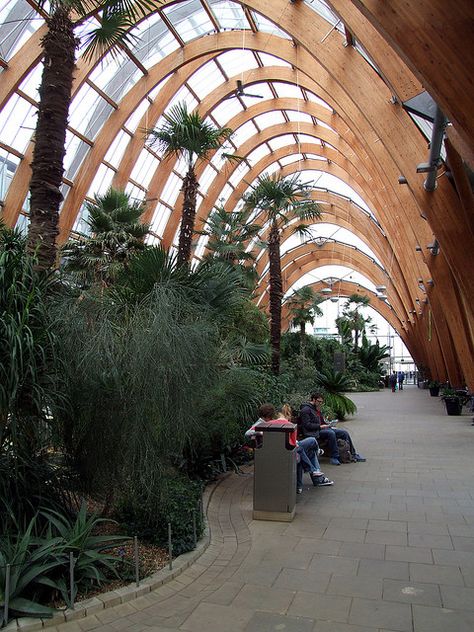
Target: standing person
{"x": 401, "y": 379}
{"x": 392, "y": 380}
{"x": 313, "y": 424}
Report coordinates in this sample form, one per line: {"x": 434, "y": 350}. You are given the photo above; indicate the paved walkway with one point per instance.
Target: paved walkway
{"x": 389, "y": 548}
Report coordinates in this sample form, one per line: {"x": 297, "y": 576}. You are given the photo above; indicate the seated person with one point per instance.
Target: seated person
{"x": 313, "y": 424}
{"x": 306, "y": 449}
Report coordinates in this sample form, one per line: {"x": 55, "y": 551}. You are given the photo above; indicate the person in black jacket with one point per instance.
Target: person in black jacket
{"x": 313, "y": 425}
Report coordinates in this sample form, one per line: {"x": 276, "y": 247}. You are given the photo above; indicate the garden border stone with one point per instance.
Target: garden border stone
{"x": 125, "y": 593}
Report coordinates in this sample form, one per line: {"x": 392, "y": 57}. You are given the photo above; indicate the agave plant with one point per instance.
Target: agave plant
{"x": 29, "y": 560}
{"x": 77, "y": 536}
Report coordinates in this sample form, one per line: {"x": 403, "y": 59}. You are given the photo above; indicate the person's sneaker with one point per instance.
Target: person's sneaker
{"x": 299, "y": 490}
{"x": 359, "y": 459}
{"x": 321, "y": 452}
{"x": 334, "y": 462}
{"x": 322, "y": 481}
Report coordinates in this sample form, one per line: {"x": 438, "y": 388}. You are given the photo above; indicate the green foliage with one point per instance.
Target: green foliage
{"x": 134, "y": 377}
{"x": 26, "y": 346}
{"x": 78, "y": 535}
{"x": 40, "y": 565}
{"x": 175, "y": 501}
{"x": 370, "y": 355}
{"x": 282, "y": 199}
{"x": 187, "y": 134}
{"x": 30, "y": 562}
{"x": 335, "y": 383}
{"x": 116, "y": 234}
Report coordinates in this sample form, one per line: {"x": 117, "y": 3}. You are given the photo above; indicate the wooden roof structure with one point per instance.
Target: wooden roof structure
{"x": 335, "y": 77}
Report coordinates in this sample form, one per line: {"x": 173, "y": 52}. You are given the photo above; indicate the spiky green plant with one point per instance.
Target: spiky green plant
{"x": 116, "y": 235}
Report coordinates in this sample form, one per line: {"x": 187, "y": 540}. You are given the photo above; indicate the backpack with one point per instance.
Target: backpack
{"x": 345, "y": 455}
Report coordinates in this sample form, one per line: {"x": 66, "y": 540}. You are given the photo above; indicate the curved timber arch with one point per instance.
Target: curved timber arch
{"x": 344, "y": 289}
{"x": 306, "y": 258}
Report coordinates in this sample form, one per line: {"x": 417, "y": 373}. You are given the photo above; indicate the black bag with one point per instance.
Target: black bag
{"x": 345, "y": 455}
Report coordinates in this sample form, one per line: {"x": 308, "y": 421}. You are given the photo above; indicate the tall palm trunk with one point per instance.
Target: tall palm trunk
{"x": 59, "y": 46}
{"x": 276, "y": 295}
{"x": 190, "y": 188}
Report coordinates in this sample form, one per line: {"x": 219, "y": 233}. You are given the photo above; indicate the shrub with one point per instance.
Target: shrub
{"x": 175, "y": 502}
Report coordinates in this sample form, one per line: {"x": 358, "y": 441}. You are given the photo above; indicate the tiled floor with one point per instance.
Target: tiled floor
{"x": 389, "y": 548}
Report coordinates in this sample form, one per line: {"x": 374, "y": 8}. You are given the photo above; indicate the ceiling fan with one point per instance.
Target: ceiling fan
{"x": 240, "y": 92}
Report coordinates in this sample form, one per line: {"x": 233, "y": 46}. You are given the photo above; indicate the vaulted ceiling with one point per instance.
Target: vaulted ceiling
{"x": 333, "y": 77}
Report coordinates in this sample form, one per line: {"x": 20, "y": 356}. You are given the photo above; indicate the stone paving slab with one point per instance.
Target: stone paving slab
{"x": 389, "y": 548}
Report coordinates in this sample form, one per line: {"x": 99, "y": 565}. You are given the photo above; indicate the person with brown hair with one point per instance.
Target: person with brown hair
{"x": 306, "y": 449}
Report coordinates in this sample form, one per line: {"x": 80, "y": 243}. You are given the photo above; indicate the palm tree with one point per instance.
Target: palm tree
{"x": 280, "y": 201}
{"x": 115, "y": 18}
{"x": 304, "y": 307}
{"x": 116, "y": 235}
{"x": 229, "y": 235}
{"x": 352, "y": 320}
{"x": 186, "y": 134}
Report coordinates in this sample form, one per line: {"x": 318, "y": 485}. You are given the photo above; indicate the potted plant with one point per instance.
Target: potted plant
{"x": 454, "y": 400}
{"x": 434, "y": 385}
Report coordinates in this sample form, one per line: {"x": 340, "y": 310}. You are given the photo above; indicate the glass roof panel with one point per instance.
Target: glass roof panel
{"x": 271, "y": 60}
{"x": 153, "y": 40}
{"x": 102, "y": 181}
{"x": 136, "y": 116}
{"x": 312, "y": 97}
{"x": 30, "y": 84}
{"x": 267, "y": 26}
{"x": 117, "y": 148}
{"x": 322, "y": 9}
{"x": 243, "y": 133}
{"x": 153, "y": 93}
{"x": 226, "y": 110}
{"x": 225, "y": 194}
{"x": 88, "y": 111}
{"x": 18, "y": 21}
{"x": 8, "y": 166}
{"x": 183, "y": 94}
{"x": 76, "y": 150}
{"x": 144, "y": 168}
{"x": 235, "y": 62}
{"x": 80, "y": 225}
{"x": 206, "y": 179}
{"x": 160, "y": 219}
{"x": 270, "y": 118}
{"x": 83, "y": 29}
{"x": 238, "y": 174}
{"x": 189, "y": 19}
{"x": 288, "y": 90}
{"x": 229, "y": 14}
{"x": 171, "y": 189}
{"x": 271, "y": 169}
{"x": 258, "y": 153}
{"x": 17, "y": 123}
{"x": 305, "y": 138}
{"x": 281, "y": 141}
{"x": 135, "y": 193}
{"x": 294, "y": 115}
{"x": 115, "y": 74}
{"x": 287, "y": 160}
{"x": 206, "y": 79}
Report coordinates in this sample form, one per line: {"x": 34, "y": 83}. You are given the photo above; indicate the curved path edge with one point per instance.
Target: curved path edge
{"x": 225, "y": 529}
